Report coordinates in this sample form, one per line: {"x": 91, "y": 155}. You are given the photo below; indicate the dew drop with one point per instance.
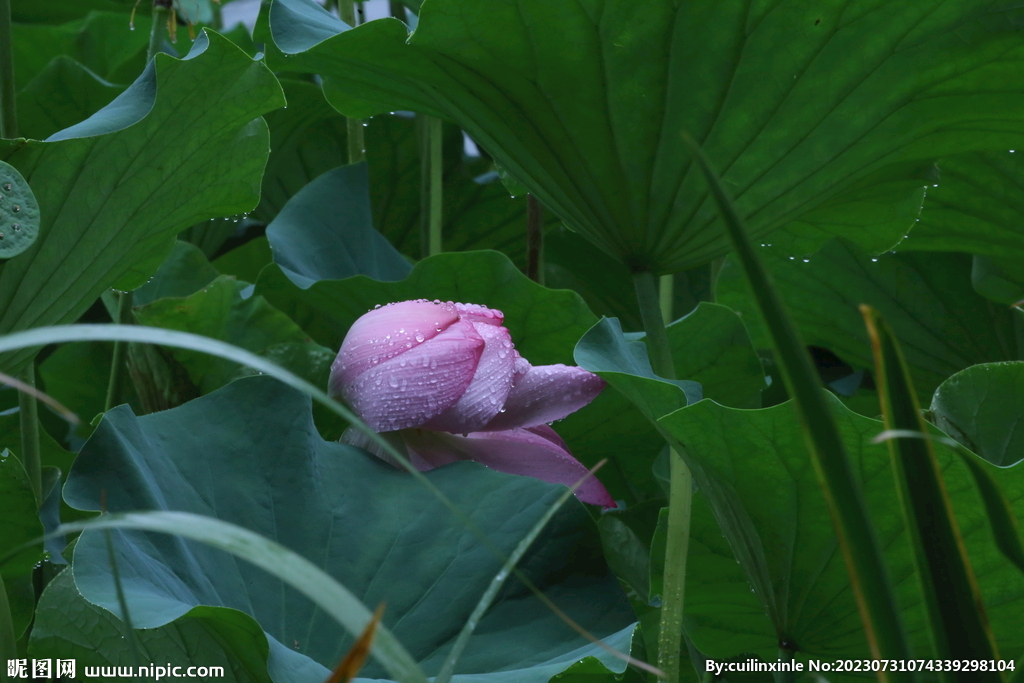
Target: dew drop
{"x": 1, "y": 235}
{"x": 393, "y": 382}
{"x": 17, "y": 227}
{"x": 807, "y": 260}
{"x": 16, "y": 208}
{"x": 8, "y": 187}
{"x": 433, "y": 364}
{"x": 419, "y": 337}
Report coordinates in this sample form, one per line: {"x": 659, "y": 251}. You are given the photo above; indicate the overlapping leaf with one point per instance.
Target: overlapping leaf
{"x": 585, "y": 102}
{"x": 943, "y": 324}
{"x": 249, "y": 454}
{"x": 115, "y": 189}
{"x": 802, "y": 583}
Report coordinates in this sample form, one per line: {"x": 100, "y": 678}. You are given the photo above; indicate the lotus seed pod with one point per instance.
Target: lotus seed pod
{"x": 19, "y": 213}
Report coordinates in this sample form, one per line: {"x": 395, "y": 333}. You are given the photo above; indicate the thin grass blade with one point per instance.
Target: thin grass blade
{"x": 873, "y": 590}
{"x": 956, "y": 615}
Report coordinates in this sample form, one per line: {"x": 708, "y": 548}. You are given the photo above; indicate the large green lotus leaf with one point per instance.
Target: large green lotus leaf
{"x": 61, "y": 95}
{"x": 758, "y": 461}
{"x": 58, "y": 11}
{"x": 67, "y": 626}
{"x": 220, "y": 311}
{"x": 586, "y": 103}
{"x": 709, "y": 346}
{"x": 249, "y": 454}
{"x": 101, "y": 41}
{"x": 325, "y": 232}
{"x": 19, "y": 517}
{"x": 943, "y": 325}
{"x": 112, "y": 194}
{"x": 545, "y": 324}
{"x": 982, "y": 407}
{"x": 977, "y": 206}
{"x": 876, "y": 214}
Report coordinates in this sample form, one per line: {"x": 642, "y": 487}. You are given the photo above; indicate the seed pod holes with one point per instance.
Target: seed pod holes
{"x": 19, "y": 213}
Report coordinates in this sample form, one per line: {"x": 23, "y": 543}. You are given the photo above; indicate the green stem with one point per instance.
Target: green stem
{"x": 8, "y": 640}
{"x": 534, "y": 239}
{"x": 161, "y": 8}
{"x": 785, "y": 657}
{"x": 124, "y": 308}
{"x": 355, "y": 134}
{"x": 655, "y": 310}
{"x": 666, "y": 285}
{"x": 8, "y": 101}
{"x": 28, "y": 412}
{"x": 434, "y": 136}
{"x": 654, "y": 325}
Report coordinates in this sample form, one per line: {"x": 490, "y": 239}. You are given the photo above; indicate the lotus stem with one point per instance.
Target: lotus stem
{"x": 28, "y": 412}
{"x": 8, "y": 101}
{"x": 666, "y": 285}
{"x": 354, "y": 131}
{"x": 124, "y": 308}
{"x": 8, "y": 640}
{"x": 161, "y": 12}
{"x": 655, "y": 309}
{"x": 534, "y": 239}
{"x": 434, "y": 138}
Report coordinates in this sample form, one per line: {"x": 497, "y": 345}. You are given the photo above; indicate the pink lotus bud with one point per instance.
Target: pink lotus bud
{"x": 446, "y": 369}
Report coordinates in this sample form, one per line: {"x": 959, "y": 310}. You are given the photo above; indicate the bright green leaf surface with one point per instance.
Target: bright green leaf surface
{"x": 585, "y": 103}
{"x": 61, "y": 95}
{"x": 245, "y": 262}
{"x": 943, "y": 325}
{"x": 545, "y": 324}
{"x": 101, "y": 41}
{"x": 220, "y": 312}
{"x": 112, "y": 195}
{"x": 19, "y": 518}
{"x": 249, "y": 454}
{"x": 977, "y": 206}
{"x": 184, "y": 272}
{"x": 69, "y": 627}
{"x": 982, "y": 407}
{"x": 759, "y": 459}
{"x": 876, "y": 215}
{"x": 56, "y": 11}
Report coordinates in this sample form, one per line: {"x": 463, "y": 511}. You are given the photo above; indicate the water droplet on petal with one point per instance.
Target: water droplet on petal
{"x": 419, "y": 337}
{"x": 393, "y": 382}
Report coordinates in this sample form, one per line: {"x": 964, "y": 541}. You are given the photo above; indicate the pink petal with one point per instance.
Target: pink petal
{"x": 480, "y": 314}
{"x": 544, "y": 394}
{"x": 388, "y": 331}
{"x": 409, "y": 389}
{"x": 516, "y": 451}
{"x": 489, "y": 389}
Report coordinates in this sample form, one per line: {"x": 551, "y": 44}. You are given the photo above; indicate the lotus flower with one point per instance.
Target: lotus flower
{"x": 445, "y": 381}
